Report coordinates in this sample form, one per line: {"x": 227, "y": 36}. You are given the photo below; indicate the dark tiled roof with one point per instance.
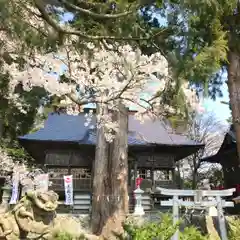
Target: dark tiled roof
{"x": 228, "y": 145}
{"x": 133, "y": 139}
{"x": 62, "y": 127}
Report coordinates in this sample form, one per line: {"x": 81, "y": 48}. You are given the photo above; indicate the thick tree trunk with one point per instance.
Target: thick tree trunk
{"x": 100, "y": 179}
{"x": 234, "y": 93}
{"x": 1, "y": 127}
{"x": 110, "y": 188}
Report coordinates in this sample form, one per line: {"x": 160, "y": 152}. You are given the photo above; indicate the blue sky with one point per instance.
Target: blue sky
{"x": 221, "y": 111}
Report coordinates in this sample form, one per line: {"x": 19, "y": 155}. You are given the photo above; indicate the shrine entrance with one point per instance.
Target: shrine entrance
{"x": 201, "y": 199}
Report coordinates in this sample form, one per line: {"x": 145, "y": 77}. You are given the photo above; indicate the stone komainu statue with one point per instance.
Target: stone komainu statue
{"x": 33, "y": 217}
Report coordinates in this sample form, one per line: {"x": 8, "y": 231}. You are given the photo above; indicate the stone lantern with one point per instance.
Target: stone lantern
{"x": 6, "y": 194}
{"x": 138, "y": 209}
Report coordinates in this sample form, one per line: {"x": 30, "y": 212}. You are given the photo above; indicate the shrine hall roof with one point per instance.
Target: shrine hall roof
{"x": 228, "y": 147}
{"x": 69, "y": 128}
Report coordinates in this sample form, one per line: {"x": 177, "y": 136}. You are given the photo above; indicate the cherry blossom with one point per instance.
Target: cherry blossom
{"x": 6, "y": 163}
{"x": 101, "y": 75}
{"x": 11, "y": 170}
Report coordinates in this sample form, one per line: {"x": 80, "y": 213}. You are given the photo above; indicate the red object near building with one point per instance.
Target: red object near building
{"x": 138, "y": 181}
{"x": 237, "y": 189}
{"x": 236, "y": 186}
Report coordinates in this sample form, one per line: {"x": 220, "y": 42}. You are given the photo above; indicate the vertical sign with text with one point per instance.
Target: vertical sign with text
{"x": 68, "y": 185}
{"x": 15, "y": 186}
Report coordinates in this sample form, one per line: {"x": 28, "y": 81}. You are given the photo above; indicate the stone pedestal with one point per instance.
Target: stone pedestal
{"x": 138, "y": 209}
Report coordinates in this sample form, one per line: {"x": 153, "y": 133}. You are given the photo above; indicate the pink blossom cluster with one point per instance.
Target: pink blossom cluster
{"x": 101, "y": 75}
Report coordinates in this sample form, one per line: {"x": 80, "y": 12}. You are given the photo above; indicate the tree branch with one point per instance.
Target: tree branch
{"x": 95, "y": 15}
{"x": 89, "y": 4}
{"x": 61, "y": 30}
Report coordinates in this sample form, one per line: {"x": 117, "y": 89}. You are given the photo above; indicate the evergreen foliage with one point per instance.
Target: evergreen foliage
{"x": 161, "y": 229}
{"x": 197, "y": 46}
{"x": 206, "y": 43}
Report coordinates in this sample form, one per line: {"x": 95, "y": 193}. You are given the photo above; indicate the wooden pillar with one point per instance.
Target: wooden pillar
{"x": 135, "y": 172}
{"x": 173, "y": 177}
{"x": 130, "y": 165}
{"x": 152, "y": 160}
{"x": 152, "y": 177}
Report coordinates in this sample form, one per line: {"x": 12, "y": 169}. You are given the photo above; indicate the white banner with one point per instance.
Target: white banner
{"x": 68, "y": 185}
{"x": 15, "y": 186}
{"x": 41, "y": 182}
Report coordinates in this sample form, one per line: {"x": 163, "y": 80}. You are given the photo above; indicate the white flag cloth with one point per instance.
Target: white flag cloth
{"x": 68, "y": 185}
{"x": 15, "y": 186}
{"x": 41, "y": 182}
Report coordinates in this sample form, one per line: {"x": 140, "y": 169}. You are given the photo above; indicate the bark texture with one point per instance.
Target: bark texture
{"x": 234, "y": 93}
{"x": 110, "y": 189}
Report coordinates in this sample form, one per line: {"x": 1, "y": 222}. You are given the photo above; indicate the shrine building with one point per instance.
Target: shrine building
{"x": 227, "y": 156}
{"x": 65, "y": 146}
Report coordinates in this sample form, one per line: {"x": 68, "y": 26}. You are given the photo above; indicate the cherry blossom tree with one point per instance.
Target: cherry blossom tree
{"x": 6, "y": 163}
{"x": 10, "y": 169}
{"x": 78, "y": 73}
{"x": 114, "y": 77}
{"x": 207, "y": 129}
{"x": 101, "y": 75}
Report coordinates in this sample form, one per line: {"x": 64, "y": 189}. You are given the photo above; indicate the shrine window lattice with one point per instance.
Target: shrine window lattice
{"x": 81, "y": 177}
{"x": 163, "y": 175}
{"x": 158, "y": 175}
{"x": 66, "y": 158}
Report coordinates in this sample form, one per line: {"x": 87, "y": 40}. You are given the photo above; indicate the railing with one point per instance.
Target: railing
{"x": 57, "y": 184}
{"x": 162, "y": 183}
{"x": 85, "y": 184}
{"x": 82, "y": 193}
{"x": 165, "y": 183}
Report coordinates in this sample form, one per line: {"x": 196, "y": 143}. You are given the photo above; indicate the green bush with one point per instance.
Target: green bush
{"x": 234, "y": 231}
{"x": 191, "y": 233}
{"x": 61, "y": 235}
{"x": 159, "y": 230}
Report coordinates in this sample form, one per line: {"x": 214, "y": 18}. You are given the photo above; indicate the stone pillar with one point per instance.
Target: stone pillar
{"x": 175, "y": 210}
{"x": 221, "y": 219}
